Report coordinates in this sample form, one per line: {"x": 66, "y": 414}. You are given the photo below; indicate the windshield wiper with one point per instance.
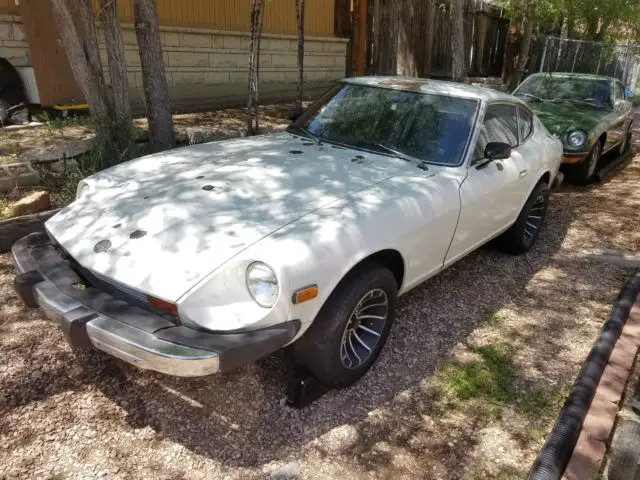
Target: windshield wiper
{"x": 305, "y": 132}
{"x": 403, "y": 156}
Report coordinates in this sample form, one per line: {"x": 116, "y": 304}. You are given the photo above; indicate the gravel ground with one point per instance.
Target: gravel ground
{"x": 63, "y": 416}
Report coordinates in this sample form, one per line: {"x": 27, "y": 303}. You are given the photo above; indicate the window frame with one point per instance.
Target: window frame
{"x": 480, "y": 122}
{"x": 521, "y": 141}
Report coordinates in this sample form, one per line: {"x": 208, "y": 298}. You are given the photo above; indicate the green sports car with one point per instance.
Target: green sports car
{"x": 589, "y": 113}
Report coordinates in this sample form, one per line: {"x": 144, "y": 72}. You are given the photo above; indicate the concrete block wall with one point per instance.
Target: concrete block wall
{"x": 215, "y": 57}
{"x": 13, "y": 44}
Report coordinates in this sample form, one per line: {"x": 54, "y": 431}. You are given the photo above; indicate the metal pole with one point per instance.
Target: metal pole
{"x": 600, "y": 59}
{"x": 544, "y": 54}
{"x": 615, "y": 72}
{"x": 575, "y": 57}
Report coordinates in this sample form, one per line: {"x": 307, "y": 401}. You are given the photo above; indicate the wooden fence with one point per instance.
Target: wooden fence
{"x": 423, "y": 38}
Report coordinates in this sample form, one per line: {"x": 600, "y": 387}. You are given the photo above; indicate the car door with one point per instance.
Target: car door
{"x": 622, "y": 109}
{"x": 491, "y": 195}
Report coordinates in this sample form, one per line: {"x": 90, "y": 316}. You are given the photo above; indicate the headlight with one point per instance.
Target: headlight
{"x": 577, "y": 139}
{"x": 262, "y": 284}
{"x": 83, "y": 189}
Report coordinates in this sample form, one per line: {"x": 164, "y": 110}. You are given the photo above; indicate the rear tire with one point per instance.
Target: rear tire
{"x": 349, "y": 332}
{"x": 525, "y": 231}
{"x": 583, "y": 173}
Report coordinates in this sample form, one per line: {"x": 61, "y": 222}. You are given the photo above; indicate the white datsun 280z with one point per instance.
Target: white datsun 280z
{"x": 207, "y": 257}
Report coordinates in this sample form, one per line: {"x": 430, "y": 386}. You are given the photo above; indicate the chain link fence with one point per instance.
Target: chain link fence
{"x": 621, "y": 61}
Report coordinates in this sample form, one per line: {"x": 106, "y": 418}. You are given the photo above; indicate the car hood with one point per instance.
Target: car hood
{"x": 560, "y": 118}
{"x": 162, "y": 223}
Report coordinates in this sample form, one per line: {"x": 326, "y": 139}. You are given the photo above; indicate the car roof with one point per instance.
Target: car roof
{"x": 440, "y": 87}
{"x": 588, "y": 76}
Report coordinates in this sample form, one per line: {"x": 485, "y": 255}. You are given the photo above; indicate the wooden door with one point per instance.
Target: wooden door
{"x": 55, "y": 80}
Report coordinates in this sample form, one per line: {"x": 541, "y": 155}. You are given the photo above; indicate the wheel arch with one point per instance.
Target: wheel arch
{"x": 389, "y": 258}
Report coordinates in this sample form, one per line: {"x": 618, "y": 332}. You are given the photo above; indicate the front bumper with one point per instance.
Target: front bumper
{"x": 91, "y": 318}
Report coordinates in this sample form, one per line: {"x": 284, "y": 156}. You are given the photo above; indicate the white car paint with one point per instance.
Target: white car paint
{"x": 310, "y": 216}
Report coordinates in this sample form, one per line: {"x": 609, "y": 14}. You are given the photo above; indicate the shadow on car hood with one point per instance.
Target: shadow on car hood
{"x": 162, "y": 223}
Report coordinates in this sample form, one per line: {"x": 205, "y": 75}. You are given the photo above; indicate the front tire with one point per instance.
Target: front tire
{"x": 626, "y": 141}
{"x": 525, "y": 231}
{"x": 350, "y": 330}
{"x": 583, "y": 173}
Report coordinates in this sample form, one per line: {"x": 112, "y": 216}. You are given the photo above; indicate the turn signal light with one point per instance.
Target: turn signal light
{"x": 571, "y": 159}
{"x": 163, "y": 306}
{"x": 305, "y": 294}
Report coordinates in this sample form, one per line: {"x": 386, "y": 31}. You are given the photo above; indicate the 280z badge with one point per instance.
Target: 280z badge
{"x": 102, "y": 246}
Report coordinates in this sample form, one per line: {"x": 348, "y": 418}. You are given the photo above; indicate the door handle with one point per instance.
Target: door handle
{"x": 523, "y": 173}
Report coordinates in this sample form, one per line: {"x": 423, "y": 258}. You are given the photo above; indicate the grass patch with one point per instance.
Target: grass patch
{"x": 55, "y": 124}
{"x": 493, "y": 317}
{"x": 491, "y": 383}
{"x": 491, "y": 378}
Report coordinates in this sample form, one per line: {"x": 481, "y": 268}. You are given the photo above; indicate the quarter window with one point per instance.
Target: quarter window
{"x": 619, "y": 92}
{"x": 525, "y": 124}
{"x": 500, "y": 125}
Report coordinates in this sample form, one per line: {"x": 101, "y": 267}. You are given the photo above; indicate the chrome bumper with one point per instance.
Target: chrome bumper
{"x": 91, "y": 318}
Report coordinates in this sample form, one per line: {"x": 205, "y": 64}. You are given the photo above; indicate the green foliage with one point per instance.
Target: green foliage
{"x": 598, "y": 20}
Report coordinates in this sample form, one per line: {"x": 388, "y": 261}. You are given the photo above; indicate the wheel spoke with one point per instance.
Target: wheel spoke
{"x": 354, "y": 350}
{"x": 355, "y": 334}
{"x": 372, "y": 317}
{"x": 366, "y": 307}
{"x": 366, "y": 329}
{"x": 531, "y": 225}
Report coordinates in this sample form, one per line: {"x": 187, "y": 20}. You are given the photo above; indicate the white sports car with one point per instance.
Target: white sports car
{"x": 207, "y": 257}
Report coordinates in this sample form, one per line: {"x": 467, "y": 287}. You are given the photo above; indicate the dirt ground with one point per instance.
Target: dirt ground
{"x": 221, "y": 122}
{"x": 468, "y": 386}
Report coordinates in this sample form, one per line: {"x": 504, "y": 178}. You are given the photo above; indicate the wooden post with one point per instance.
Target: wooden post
{"x": 361, "y": 54}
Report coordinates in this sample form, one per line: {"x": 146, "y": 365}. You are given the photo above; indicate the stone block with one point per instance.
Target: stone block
{"x": 216, "y": 77}
{"x": 269, "y": 77}
{"x": 278, "y": 44}
{"x": 18, "y": 32}
{"x": 335, "y": 47}
{"x": 129, "y": 37}
{"x": 284, "y": 60}
{"x": 35, "y": 202}
{"x": 236, "y": 42}
{"x": 188, "y": 78}
{"x": 312, "y": 46}
{"x": 132, "y": 57}
{"x": 228, "y": 60}
{"x": 188, "y": 59}
{"x": 198, "y": 40}
{"x": 170, "y": 39}
{"x": 6, "y": 32}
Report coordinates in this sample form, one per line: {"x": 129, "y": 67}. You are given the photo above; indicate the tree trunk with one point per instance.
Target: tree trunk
{"x": 257, "y": 17}
{"x": 156, "y": 92}
{"x": 90, "y": 36}
{"x": 117, "y": 74}
{"x": 91, "y": 83}
{"x": 300, "y": 18}
{"x": 525, "y": 48}
{"x": 457, "y": 41}
{"x": 115, "y": 56}
{"x": 429, "y": 37}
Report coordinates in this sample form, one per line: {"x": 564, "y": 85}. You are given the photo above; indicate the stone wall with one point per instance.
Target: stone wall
{"x": 215, "y": 57}
{"x": 13, "y": 44}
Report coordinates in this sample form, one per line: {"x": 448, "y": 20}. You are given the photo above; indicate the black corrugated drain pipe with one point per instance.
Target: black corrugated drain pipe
{"x": 556, "y": 452}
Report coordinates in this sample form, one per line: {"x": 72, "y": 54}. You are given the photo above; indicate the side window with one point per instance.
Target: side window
{"x": 525, "y": 124}
{"x": 500, "y": 125}
{"x": 619, "y": 92}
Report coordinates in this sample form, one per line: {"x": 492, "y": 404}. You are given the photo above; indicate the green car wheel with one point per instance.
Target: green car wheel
{"x": 583, "y": 174}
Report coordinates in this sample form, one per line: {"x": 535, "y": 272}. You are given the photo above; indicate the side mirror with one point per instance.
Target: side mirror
{"x": 497, "y": 151}
{"x": 296, "y": 114}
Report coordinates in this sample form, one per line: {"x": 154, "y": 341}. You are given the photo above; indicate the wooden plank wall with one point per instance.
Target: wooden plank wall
{"x": 280, "y": 15}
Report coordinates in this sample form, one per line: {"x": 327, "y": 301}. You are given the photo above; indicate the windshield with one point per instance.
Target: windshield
{"x": 588, "y": 91}
{"x": 411, "y": 125}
